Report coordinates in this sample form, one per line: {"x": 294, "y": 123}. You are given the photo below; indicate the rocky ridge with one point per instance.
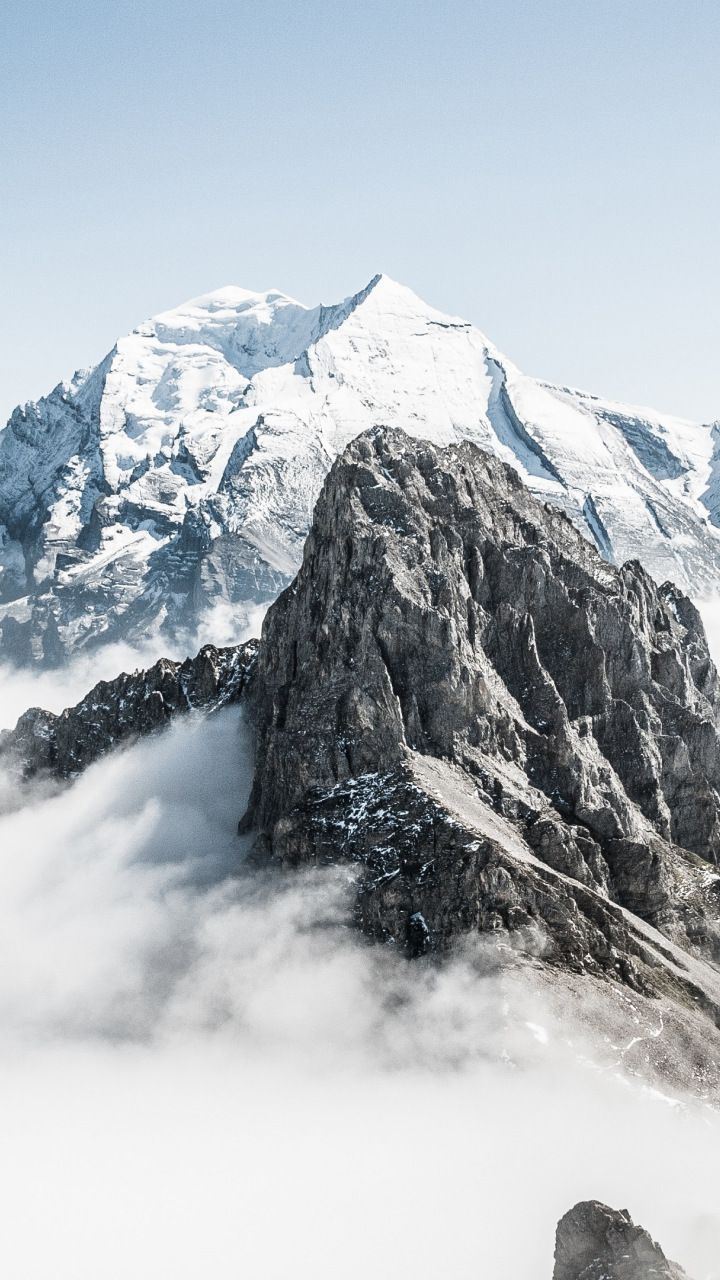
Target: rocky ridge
{"x": 116, "y": 712}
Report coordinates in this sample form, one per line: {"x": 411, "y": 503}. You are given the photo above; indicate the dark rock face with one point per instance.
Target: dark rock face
{"x": 129, "y": 707}
{"x": 594, "y": 1242}
{"x": 441, "y": 607}
{"x": 453, "y": 647}
{"x": 430, "y": 873}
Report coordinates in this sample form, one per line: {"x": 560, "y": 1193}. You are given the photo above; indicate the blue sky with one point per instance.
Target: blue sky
{"x": 549, "y": 171}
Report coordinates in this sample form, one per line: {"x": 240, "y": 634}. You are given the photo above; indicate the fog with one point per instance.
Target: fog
{"x": 205, "y": 1072}
{"x": 710, "y": 611}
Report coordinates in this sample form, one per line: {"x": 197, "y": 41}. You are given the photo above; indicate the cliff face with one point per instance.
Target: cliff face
{"x": 502, "y": 730}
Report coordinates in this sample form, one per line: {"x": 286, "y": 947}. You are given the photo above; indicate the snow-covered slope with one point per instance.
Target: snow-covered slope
{"x": 180, "y": 474}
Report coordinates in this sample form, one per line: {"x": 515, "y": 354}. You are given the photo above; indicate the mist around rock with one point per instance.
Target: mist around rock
{"x": 208, "y": 1071}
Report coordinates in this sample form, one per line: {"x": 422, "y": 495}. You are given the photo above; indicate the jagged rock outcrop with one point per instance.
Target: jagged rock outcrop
{"x": 503, "y": 731}
{"x": 118, "y": 711}
{"x": 594, "y": 1242}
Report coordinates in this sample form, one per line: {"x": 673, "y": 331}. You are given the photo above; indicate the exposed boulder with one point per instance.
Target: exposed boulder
{"x": 594, "y": 1242}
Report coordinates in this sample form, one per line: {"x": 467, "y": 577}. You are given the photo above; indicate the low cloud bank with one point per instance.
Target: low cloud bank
{"x": 206, "y": 1072}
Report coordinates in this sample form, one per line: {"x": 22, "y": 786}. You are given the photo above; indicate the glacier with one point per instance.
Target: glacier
{"x": 179, "y": 475}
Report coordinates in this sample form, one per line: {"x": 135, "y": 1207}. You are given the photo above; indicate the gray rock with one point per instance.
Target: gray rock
{"x": 594, "y": 1242}
{"x": 569, "y": 709}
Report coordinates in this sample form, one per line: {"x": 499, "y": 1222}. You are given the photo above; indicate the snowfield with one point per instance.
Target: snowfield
{"x": 180, "y": 474}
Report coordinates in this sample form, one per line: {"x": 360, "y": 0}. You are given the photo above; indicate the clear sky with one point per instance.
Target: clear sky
{"x": 547, "y": 170}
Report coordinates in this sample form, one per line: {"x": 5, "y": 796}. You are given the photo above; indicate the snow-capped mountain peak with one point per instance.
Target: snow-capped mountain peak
{"x": 261, "y": 330}
{"x": 183, "y": 469}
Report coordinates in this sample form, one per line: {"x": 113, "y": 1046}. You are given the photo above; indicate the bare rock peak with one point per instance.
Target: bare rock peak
{"x": 594, "y": 1242}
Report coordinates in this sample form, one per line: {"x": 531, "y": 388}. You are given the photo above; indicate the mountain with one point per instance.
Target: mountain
{"x": 495, "y": 732}
{"x": 180, "y": 474}
{"x": 500, "y": 734}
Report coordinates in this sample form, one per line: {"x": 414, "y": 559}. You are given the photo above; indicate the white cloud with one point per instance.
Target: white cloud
{"x": 208, "y": 1073}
